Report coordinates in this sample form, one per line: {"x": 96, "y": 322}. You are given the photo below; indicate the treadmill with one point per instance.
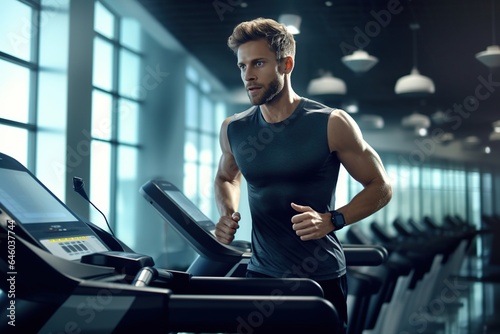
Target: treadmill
{"x": 63, "y": 274}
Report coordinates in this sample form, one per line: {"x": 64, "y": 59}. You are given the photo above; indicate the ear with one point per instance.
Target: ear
{"x": 288, "y": 64}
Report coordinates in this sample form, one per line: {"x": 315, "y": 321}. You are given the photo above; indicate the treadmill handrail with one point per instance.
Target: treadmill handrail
{"x": 365, "y": 255}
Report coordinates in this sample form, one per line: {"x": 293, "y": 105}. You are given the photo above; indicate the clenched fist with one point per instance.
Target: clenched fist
{"x": 226, "y": 228}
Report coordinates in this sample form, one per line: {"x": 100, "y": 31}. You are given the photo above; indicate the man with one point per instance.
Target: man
{"x": 289, "y": 149}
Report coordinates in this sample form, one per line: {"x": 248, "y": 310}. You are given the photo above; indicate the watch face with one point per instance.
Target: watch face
{"x": 338, "y": 220}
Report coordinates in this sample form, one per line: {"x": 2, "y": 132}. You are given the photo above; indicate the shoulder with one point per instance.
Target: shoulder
{"x": 342, "y": 130}
{"x": 227, "y": 125}
{"x": 339, "y": 118}
{"x": 312, "y": 106}
{"x": 340, "y": 115}
{"x": 243, "y": 115}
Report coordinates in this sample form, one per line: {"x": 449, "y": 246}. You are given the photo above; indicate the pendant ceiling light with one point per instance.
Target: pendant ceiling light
{"x": 359, "y": 61}
{"x": 327, "y": 84}
{"x": 416, "y": 120}
{"x": 471, "y": 142}
{"x": 414, "y": 84}
{"x": 291, "y": 22}
{"x": 491, "y": 56}
{"x": 495, "y": 135}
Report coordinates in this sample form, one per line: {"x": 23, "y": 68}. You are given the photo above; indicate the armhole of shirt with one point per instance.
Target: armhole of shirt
{"x": 327, "y": 133}
{"x": 235, "y": 117}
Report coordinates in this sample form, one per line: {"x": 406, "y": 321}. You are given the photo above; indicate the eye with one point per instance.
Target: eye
{"x": 259, "y": 63}
{"x": 241, "y": 67}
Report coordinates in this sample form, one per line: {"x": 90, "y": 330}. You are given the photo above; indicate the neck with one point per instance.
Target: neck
{"x": 281, "y": 106}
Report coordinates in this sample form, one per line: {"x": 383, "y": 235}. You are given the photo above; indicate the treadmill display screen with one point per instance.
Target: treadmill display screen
{"x": 184, "y": 202}
{"x": 28, "y": 201}
{"x": 187, "y": 219}
{"x": 41, "y": 216}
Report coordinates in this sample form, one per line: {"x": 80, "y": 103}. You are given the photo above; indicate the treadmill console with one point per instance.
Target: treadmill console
{"x": 27, "y": 206}
{"x": 186, "y": 219}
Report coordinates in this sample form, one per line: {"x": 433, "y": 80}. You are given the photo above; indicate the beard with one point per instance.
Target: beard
{"x": 268, "y": 93}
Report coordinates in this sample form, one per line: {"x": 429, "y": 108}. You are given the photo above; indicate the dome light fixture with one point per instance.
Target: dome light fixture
{"x": 414, "y": 84}
{"x": 419, "y": 122}
{"x": 495, "y": 134}
{"x": 416, "y": 120}
{"x": 291, "y": 22}
{"x": 359, "y": 61}
{"x": 491, "y": 56}
{"x": 471, "y": 142}
{"x": 446, "y": 138}
{"x": 327, "y": 84}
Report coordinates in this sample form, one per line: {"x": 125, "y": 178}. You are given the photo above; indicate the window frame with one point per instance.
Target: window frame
{"x": 33, "y": 67}
{"x": 115, "y": 144}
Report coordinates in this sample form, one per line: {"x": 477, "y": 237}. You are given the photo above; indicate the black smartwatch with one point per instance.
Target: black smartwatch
{"x": 338, "y": 220}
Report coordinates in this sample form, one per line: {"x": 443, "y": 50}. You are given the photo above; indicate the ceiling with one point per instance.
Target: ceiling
{"x": 451, "y": 33}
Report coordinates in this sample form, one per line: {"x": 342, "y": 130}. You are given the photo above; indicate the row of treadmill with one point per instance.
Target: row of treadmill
{"x": 66, "y": 275}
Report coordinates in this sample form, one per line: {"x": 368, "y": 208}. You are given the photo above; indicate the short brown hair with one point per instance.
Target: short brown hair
{"x": 278, "y": 38}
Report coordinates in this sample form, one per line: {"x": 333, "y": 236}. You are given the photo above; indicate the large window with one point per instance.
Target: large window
{"x": 203, "y": 118}
{"x": 18, "y": 79}
{"x": 116, "y": 100}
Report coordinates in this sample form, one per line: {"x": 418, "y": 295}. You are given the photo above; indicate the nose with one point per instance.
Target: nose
{"x": 247, "y": 75}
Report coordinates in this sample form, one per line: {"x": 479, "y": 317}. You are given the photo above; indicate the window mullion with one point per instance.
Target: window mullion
{"x": 198, "y": 144}
{"x": 17, "y": 61}
{"x": 114, "y": 122}
{"x": 33, "y": 94}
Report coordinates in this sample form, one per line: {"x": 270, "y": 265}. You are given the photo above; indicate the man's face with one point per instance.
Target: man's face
{"x": 260, "y": 71}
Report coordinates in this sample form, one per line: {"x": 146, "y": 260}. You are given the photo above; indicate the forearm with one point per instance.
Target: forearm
{"x": 372, "y": 198}
{"x": 227, "y": 195}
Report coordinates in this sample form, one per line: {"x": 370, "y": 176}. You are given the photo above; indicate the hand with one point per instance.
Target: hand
{"x": 226, "y": 228}
{"x": 309, "y": 224}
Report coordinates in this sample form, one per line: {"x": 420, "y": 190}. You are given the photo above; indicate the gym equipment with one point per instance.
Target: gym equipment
{"x": 421, "y": 263}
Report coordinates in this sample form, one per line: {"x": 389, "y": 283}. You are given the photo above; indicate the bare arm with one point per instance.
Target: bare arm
{"x": 227, "y": 190}
{"x": 363, "y": 164}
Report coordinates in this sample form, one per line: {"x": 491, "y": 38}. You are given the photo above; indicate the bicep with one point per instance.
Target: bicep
{"x": 228, "y": 169}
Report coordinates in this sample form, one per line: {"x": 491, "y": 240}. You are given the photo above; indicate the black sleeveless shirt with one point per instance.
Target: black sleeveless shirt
{"x": 285, "y": 162}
